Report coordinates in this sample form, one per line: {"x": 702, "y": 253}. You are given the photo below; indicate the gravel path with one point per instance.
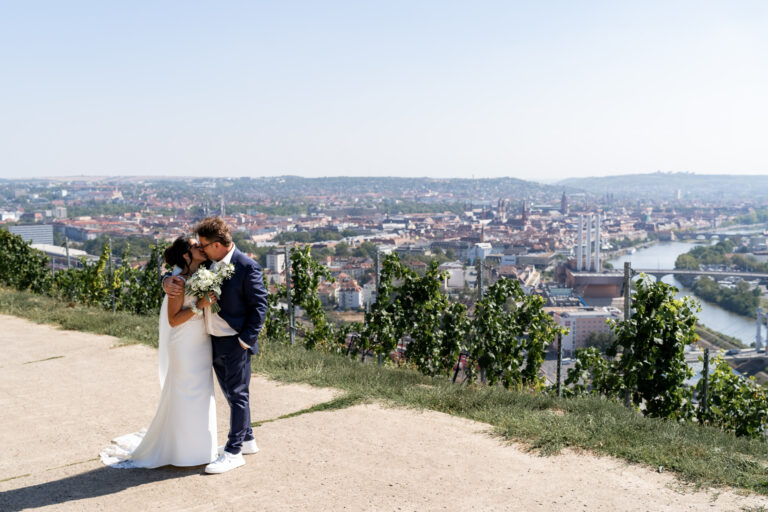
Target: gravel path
{"x": 64, "y": 395}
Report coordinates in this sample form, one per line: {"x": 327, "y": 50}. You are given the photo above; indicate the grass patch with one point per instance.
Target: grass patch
{"x": 14, "y": 478}
{"x": 46, "y": 359}
{"x": 717, "y": 338}
{"x": 46, "y": 310}
{"x": 342, "y": 402}
{"x": 701, "y": 455}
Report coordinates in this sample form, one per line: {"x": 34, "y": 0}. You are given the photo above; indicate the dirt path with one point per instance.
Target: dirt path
{"x": 64, "y": 395}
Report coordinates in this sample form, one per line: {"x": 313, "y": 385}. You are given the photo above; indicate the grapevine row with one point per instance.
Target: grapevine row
{"x": 500, "y": 340}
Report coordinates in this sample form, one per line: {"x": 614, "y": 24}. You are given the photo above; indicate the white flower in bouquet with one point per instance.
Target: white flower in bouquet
{"x": 206, "y": 281}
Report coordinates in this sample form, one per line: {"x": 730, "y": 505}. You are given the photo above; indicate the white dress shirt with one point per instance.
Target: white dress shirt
{"x": 214, "y": 324}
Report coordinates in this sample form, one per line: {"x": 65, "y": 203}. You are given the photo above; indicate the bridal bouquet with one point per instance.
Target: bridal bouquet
{"x": 205, "y": 281}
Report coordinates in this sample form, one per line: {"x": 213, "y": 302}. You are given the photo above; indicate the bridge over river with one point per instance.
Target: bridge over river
{"x": 659, "y": 259}
{"x": 724, "y": 231}
{"x": 659, "y": 273}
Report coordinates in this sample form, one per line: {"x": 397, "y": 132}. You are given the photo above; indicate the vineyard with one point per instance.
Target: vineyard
{"x": 500, "y": 341}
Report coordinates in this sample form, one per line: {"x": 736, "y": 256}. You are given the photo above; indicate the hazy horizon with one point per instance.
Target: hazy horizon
{"x": 543, "y": 182}
{"x": 534, "y": 91}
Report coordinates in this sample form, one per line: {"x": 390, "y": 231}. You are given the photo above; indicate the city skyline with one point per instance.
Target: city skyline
{"x": 535, "y": 92}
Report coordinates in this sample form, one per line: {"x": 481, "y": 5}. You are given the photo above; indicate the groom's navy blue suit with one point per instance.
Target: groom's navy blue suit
{"x": 243, "y": 304}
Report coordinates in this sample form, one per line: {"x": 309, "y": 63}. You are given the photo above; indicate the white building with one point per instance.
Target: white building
{"x": 34, "y": 233}
{"x": 351, "y": 297}
{"x": 581, "y": 322}
{"x": 508, "y": 260}
{"x": 480, "y": 251}
{"x": 529, "y": 279}
{"x": 276, "y": 262}
{"x": 63, "y": 257}
{"x": 455, "y": 271}
{"x": 369, "y": 294}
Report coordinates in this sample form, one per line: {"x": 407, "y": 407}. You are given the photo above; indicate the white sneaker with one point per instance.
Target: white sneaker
{"x": 249, "y": 448}
{"x": 224, "y": 463}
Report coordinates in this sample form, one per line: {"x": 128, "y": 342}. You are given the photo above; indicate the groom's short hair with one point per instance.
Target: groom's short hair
{"x": 214, "y": 229}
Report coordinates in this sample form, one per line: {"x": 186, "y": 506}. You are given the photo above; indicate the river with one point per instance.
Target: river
{"x": 663, "y": 255}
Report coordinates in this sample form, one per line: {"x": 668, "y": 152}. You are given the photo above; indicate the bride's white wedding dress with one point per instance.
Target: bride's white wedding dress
{"x": 183, "y": 432}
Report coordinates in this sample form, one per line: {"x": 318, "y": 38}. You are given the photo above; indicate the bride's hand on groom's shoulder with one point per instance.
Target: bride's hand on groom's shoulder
{"x": 173, "y": 286}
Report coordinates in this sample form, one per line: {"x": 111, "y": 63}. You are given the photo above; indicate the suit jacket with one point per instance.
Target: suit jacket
{"x": 243, "y": 299}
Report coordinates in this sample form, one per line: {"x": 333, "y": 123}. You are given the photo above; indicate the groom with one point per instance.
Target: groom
{"x": 234, "y": 334}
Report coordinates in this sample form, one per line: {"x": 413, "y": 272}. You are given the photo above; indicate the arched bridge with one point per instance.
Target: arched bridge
{"x": 659, "y": 273}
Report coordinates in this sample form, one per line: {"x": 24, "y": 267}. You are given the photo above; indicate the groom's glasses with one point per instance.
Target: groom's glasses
{"x": 201, "y": 246}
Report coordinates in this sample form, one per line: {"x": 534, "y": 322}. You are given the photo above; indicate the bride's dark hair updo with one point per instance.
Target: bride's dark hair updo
{"x": 174, "y": 254}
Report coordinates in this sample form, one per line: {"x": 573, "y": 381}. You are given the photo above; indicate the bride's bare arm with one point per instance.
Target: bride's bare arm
{"x": 177, "y": 314}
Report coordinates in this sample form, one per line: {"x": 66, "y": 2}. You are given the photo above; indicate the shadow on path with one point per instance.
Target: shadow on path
{"x": 95, "y": 483}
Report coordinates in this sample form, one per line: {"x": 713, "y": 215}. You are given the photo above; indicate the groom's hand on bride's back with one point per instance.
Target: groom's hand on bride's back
{"x": 173, "y": 286}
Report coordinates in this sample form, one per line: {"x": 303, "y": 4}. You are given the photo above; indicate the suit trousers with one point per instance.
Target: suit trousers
{"x": 232, "y": 365}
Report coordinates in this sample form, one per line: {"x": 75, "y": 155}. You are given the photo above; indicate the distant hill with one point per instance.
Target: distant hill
{"x": 459, "y": 189}
{"x": 662, "y": 185}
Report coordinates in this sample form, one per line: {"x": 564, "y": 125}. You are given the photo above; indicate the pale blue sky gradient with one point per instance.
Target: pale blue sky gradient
{"x": 538, "y": 90}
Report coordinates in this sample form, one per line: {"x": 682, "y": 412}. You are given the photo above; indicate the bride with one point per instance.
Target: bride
{"x": 183, "y": 432}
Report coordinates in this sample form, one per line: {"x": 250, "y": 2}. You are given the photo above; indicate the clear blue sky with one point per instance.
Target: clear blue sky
{"x": 536, "y": 90}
